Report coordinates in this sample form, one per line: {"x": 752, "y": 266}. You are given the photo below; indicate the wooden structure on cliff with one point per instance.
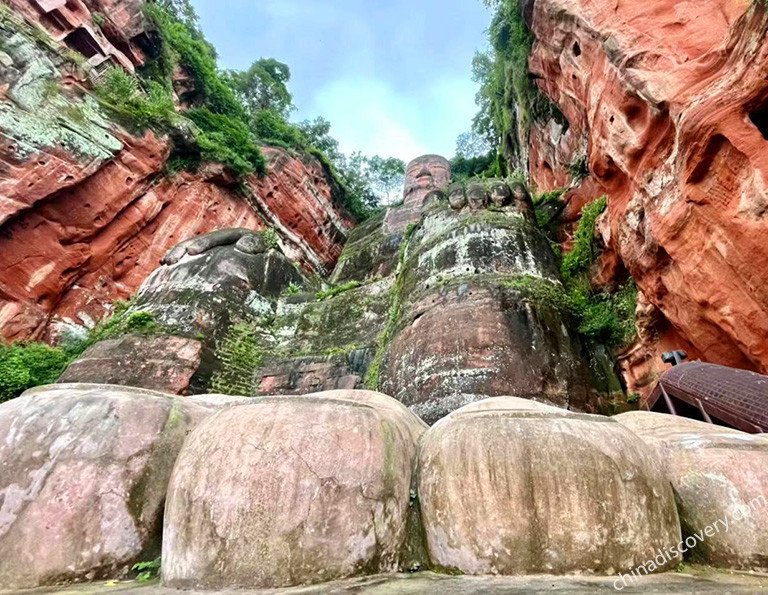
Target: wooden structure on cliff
{"x": 715, "y": 394}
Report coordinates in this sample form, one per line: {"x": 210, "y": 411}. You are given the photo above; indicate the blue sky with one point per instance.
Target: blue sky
{"x": 393, "y": 77}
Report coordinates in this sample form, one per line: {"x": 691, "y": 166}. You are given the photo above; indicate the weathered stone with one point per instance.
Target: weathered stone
{"x": 371, "y": 252}
{"x": 83, "y": 475}
{"x": 720, "y": 477}
{"x": 326, "y": 344}
{"x": 422, "y": 175}
{"x": 477, "y": 196}
{"x": 675, "y": 130}
{"x": 253, "y": 243}
{"x": 291, "y": 490}
{"x": 500, "y": 193}
{"x": 466, "y": 331}
{"x": 111, "y": 42}
{"x": 158, "y": 362}
{"x": 208, "y": 292}
{"x": 509, "y": 486}
{"x": 457, "y": 196}
{"x": 308, "y": 374}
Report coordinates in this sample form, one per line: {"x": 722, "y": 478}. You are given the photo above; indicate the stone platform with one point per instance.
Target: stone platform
{"x": 693, "y": 579}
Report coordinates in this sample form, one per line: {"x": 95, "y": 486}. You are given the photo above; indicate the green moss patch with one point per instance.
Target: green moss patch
{"x": 239, "y": 354}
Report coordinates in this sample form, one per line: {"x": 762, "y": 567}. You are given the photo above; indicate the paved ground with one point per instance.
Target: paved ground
{"x": 693, "y": 580}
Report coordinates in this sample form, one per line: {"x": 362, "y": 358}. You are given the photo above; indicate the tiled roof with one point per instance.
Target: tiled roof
{"x": 736, "y": 397}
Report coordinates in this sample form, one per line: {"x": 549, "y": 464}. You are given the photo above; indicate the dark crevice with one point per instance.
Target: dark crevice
{"x": 759, "y": 118}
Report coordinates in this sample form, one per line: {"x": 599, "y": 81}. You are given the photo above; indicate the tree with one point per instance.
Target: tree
{"x": 354, "y": 171}
{"x": 485, "y": 72}
{"x": 386, "y": 175}
{"x": 318, "y": 133}
{"x": 472, "y": 144}
{"x": 184, "y": 12}
{"x": 264, "y": 86}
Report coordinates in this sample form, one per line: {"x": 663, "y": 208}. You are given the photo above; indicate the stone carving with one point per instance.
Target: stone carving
{"x": 205, "y": 285}
{"x": 244, "y": 240}
{"x": 477, "y": 196}
{"x": 84, "y": 473}
{"x": 717, "y": 473}
{"x": 292, "y": 491}
{"x": 496, "y": 193}
{"x": 424, "y": 174}
{"x": 535, "y": 507}
{"x": 500, "y": 193}
{"x": 457, "y": 196}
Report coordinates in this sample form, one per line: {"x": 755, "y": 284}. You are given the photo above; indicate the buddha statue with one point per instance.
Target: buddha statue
{"x": 500, "y": 193}
{"x": 477, "y": 196}
{"x": 457, "y": 197}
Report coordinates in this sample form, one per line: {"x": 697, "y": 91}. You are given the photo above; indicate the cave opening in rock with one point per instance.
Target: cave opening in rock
{"x": 759, "y": 118}
{"x": 81, "y": 41}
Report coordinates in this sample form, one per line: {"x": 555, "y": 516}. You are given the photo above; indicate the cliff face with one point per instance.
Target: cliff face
{"x": 668, "y": 101}
{"x": 87, "y": 209}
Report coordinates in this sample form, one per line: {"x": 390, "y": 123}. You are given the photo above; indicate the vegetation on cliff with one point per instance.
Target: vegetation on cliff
{"x": 26, "y": 364}
{"x": 509, "y": 104}
{"x": 599, "y": 316}
{"x": 226, "y": 115}
{"x": 508, "y": 100}
{"x": 239, "y": 354}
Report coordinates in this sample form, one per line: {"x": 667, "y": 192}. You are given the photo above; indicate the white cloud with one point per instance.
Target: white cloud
{"x": 366, "y": 115}
{"x": 370, "y": 116}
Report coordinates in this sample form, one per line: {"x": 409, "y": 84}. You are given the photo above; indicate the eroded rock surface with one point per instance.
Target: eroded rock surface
{"x": 292, "y": 490}
{"x": 667, "y": 102}
{"x": 83, "y": 477}
{"x": 470, "y": 324}
{"x": 214, "y": 281}
{"x": 511, "y": 486}
{"x": 164, "y": 363}
{"x": 87, "y": 210}
{"x": 720, "y": 477}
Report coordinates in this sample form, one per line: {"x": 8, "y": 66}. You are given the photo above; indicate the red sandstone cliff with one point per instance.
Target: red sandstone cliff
{"x": 669, "y": 101}
{"x": 92, "y": 234}
{"x": 87, "y": 210}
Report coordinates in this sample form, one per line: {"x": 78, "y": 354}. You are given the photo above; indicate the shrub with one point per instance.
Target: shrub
{"x": 272, "y": 128}
{"x": 270, "y": 238}
{"x": 239, "y": 355}
{"x": 599, "y": 317}
{"x": 582, "y": 255}
{"x": 198, "y": 58}
{"x": 228, "y": 140}
{"x": 292, "y": 289}
{"x": 147, "y": 570}
{"x": 464, "y": 168}
{"x": 27, "y": 364}
{"x": 122, "y": 95}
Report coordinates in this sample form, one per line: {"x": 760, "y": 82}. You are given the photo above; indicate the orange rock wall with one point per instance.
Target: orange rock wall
{"x": 669, "y": 101}
{"x": 85, "y": 235}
